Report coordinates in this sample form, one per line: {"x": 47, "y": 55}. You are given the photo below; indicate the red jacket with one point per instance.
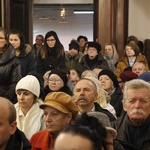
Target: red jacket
{"x": 42, "y": 140}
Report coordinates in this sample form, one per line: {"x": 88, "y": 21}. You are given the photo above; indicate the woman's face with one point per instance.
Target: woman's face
{"x": 51, "y": 41}
{"x": 25, "y": 99}
{"x": 74, "y": 77}
{"x": 14, "y": 40}
{"x": 92, "y": 52}
{"x": 55, "y": 120}
{"x": 129, "y": 51}
{"x": 106, "y": 82}
{"x": 2, "y": 40}
{"x": 55, "y": 82}
{"x": 108, "y": 50}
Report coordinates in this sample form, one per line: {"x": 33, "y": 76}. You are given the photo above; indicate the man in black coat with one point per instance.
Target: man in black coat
{"x": 134, "y": 126}
{"x": 85, "y": 94}
{"x": 11, "y": 138}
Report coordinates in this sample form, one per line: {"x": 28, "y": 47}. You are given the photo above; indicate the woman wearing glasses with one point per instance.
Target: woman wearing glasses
{"x": 52, "y": 54}
{"x": 57, "y": 82}
{"x": 10, "y": 71}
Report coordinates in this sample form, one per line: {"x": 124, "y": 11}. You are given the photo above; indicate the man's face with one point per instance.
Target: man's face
{"x": 138, "y": 69}
{"x": 84, "y": 93}
{"x": 39, "y": 40}
{"x": 55, "y": 120}
{"x": 137, "y": 105}
{"x": 68, "y": 141}
{"x": 6, "y": 129}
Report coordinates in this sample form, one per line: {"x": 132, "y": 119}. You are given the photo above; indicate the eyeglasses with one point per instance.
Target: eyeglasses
{"x": 55, "y": 80}
{"x": 50, "y": 40}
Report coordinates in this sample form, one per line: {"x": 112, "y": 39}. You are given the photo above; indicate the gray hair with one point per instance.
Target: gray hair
{"x": 135, "y": 84}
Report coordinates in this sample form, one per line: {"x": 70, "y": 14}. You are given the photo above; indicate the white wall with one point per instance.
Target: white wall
{"x": 66, "y": 32}
{"x": 139, "y": 19}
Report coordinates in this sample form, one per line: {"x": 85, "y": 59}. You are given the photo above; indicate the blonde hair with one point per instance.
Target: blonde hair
{"x": 103, "y": 97}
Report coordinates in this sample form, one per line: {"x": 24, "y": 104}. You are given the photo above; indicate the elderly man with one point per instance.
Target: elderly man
{"x": 139, "y": 68}
{"x": 10, "y": 137}
{"x": 85, "y": 94}
{"x": 134, "y": 127}
{"x": 59, "y": 111}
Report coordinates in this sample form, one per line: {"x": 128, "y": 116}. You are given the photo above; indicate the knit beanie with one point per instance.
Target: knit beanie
{"x": 29, "y": 83}
{"x": 127, "y": 76}
{"x": 145, "y": 76}
{"x": 95, "y": 45}
{"x": 111, "y": 75}
{"x": 74, "y": 44}
{"x": 61, "y": 74}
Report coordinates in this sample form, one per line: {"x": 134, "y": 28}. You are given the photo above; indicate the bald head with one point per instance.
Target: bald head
{"x": 7, "y": 108}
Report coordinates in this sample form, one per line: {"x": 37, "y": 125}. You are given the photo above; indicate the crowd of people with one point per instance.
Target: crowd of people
{"x": 85, "y": 97}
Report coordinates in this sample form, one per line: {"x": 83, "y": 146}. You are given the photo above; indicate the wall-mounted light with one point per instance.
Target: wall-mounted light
{"x": 83, "y": 12}
{"x": 63, "y": 12}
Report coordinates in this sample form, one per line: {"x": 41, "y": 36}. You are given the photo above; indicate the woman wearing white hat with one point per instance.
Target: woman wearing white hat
{"x": 29, "y": 115}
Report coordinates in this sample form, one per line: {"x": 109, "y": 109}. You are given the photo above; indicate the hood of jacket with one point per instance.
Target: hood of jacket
{"x": 27, "y": 49}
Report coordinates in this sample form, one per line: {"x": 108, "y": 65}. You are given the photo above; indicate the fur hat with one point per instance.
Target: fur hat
{"x": 29, "y": 83}
{"x": 145, "y": 76}
{"x": 62, "y": 102}
{"x": 127, "y": 76}
{"x": 111, "y": 75}
{"x": 74, "y": 44}
{"x": 95, "y": 45}
{"x": 61, "y": 74}
{"x": 103, "y": 118}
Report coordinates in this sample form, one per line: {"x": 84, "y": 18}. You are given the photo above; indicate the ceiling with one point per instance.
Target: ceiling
{"x": 52, "y": 13}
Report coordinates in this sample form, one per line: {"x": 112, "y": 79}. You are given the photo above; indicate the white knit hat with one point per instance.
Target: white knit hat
{"x": 29, "y": 83}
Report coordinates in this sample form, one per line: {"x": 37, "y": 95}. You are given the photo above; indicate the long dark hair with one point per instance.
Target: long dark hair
{"x": 21, "y": 37}
{"x": 58, "y": 46}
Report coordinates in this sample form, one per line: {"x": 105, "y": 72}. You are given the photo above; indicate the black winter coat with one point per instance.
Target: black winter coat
{"x": 18, "y": 141}
{"x": 116, "y": 101}
{"x": 105, "y": 111}
{"x": 27, "y": 61}
{"x": 10, "y": 73}
{"x": 49, "y": 63}
{"x": 132, "y": 137}
{"x": 100, "y": 63}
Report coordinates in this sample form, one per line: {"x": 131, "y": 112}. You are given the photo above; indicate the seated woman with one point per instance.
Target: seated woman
{"x": 93, "y": 59}
{"x": 59, "y": 111}
{"x": 111, "y": 55}
{"x": 57, "y": 82}
{"x": 29, "y": 115}
{"x": 109, "y": 83}
{"x": 131, "y": 56}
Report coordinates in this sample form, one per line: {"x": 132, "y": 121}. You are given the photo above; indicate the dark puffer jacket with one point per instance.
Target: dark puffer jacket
{"x": 27, "y": 61}
{"x": 132, "y": 137}
{"x": 10, "y": 73}
{"x": 18, "y": 141}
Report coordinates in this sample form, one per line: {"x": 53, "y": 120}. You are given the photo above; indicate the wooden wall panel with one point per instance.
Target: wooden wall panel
{"x": 18, "y": 14}
{"x": 110, "y": 22}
